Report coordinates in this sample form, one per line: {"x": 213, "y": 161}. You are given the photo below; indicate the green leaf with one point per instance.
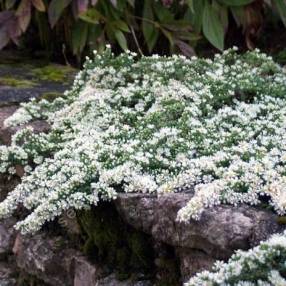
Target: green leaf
{"x": 164, "y": 15}
{"x": 79, "y": 37}
{"x": 236, "y": 2}
{"x": 281, "y": 8}
{"x": 91, "y": 16}
{"x": 121, "y": 39}
{"x": 191, "y": 5}
{"x": 213, "y": 27}
{"x": 169, "y": 36}
{"x": 150, "y": 32}
{"x": 56, "y": 9}
{"x": 238, "y": 14}
{"x": 222, "y": 11}
{"x": 195, "y": 15}
{"x": 121, "y": 25}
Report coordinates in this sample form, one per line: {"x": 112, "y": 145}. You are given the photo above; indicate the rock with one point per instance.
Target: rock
{"x": 7, "y": 236}
{"x": 20, "y": 82}
{"x": 7, "y": 275}
{"x": 7, "y": 184}
{"x": 193, "y": 261}
{"x": 5, "y": 112}
{"x": 219, "y": 232}
{"x": 7, "y": 132}
{"x": 111, "y": 280}
{"x": 51, "y": 260}
{"x": 45, "y": 258}
{"x": 86, "y": 274}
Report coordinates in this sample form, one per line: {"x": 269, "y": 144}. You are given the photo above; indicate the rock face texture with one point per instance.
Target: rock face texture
{"x": 52, "y": 259}
{"x": 220, "y": 231}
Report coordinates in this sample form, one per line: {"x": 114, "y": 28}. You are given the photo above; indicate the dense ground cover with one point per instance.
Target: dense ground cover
{"x": 159, "y": 124}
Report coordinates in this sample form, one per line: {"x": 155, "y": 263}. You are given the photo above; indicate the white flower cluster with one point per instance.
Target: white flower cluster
{"x": 158, "y": 124}
{"x": 264, "y": 265}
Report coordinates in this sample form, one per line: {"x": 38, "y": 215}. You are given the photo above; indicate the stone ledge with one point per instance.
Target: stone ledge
{"x": 219, "y": 232}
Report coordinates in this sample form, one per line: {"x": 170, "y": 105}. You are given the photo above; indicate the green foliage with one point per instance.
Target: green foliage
{"x": 145, "y": 26}
{"x": 212, "y": 26}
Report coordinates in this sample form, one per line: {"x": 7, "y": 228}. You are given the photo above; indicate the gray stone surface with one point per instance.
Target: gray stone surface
{"x": 46, "y": 258}
{"x": 7, "y": 236}
{"x": 7, "y": 275}
{"x": 193, "y": 261}
{"x": 111, "y": 280}
{"x": 18, "y": 71}
{"x": 219, "y": 232}
{"x": 86, "y": 274}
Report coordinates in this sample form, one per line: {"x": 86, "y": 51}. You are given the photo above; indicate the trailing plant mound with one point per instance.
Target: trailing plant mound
{"x": 155, "y": 125}
{"x": 158, "y": 125}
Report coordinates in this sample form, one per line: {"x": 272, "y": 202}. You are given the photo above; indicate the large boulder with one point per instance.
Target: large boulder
{"x": 46, "y": 258}
{"x": 220, "y": 231}
{"x": 7, "y": 275}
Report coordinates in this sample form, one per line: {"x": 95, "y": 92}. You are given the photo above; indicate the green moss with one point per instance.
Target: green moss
{"x": 114, "y": 243}
{"x": 169, "y": 272}
{"x": 53, "y": 72}
{"x": 50, "y": 96}
{"x": 16, "y": 82}
{"x": 281, "y": 220}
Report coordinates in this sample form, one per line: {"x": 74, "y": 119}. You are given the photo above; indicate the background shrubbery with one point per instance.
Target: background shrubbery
{"x": 74, "y": 27}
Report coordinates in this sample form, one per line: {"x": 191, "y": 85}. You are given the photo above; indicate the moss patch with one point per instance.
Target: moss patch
{"x": 281, "y": 219}
{"x": 16, "y": 82}
{"x": 50, "y": 96}
{"x": 112, "y": 242}
{"x": 53, "y": 72}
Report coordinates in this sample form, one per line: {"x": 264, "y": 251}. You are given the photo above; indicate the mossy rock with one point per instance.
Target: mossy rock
{"x": 281, "y": 219}
{"x": 50, "y": 96}
{"x": 16, "y": 82}
{"x": 114, "y": 243}
{"x": 53, "y": 73}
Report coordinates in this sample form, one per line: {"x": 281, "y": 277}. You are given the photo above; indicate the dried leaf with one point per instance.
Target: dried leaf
{"x": 39, "y": 5}
{"x": 6, "y": 16}
{"x": 9, "y": 4}
{"x": 185, "y": 48}
{"x": 4, "y": 38}
{"x": 23, "y": 14}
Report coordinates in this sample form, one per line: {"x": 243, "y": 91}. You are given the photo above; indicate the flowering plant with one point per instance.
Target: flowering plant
{"x": 158, "y": 124}
{"x": 263, "y": 265}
